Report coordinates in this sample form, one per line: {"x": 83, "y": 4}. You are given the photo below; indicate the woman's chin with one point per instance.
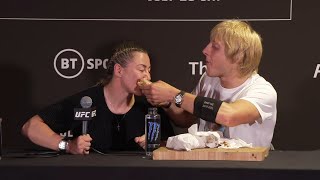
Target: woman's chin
{"x": 138, "y": 93}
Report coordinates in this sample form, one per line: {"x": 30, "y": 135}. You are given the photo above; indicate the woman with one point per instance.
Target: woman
{"x": 119, "y": 120}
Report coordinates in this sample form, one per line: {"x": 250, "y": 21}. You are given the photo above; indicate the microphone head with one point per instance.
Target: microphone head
{"x": 86, "y": 102}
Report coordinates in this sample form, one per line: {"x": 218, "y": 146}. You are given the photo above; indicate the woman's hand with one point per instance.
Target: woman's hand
{"x": 80, "y": 145}
{"x": 141, "y": 140}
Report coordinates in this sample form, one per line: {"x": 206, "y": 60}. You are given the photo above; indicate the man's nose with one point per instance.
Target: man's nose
{"x": 205, "y": 50}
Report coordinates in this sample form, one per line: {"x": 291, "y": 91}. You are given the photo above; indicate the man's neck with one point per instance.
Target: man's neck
{"x": 233, "y": 81}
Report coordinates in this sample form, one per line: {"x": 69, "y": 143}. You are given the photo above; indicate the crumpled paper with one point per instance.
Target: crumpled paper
{"x": 199, "y": 139}
{"x": 233, "y": 143}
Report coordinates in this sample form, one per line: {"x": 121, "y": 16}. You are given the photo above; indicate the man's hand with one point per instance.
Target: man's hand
{"x": 141, "y": 140}
{"x": 80, "y": 145}
{"x": 159, "y": 92}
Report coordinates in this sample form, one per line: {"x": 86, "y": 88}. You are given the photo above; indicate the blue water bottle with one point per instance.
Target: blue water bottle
{"x": 152, "y": 130}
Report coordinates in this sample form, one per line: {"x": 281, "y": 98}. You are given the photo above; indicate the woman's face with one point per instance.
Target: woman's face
{"x": 138, "y": 68}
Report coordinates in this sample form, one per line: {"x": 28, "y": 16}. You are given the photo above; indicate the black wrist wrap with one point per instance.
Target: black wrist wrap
{"x": 206, "y": 108}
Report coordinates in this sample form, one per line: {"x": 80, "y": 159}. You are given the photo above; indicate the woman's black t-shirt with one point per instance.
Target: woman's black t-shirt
{"x": 109, "y": 131}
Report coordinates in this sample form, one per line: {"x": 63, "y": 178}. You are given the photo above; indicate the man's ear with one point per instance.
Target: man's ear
{"x": 118, "y": 70}
{"x": 239, "y": 57}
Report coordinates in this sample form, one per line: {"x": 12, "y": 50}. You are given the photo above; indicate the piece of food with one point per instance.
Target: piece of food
{"x": 143, "y": 82}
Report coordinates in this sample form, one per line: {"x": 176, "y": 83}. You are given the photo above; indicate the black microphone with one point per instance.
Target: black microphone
{"x": 86, "y": 113}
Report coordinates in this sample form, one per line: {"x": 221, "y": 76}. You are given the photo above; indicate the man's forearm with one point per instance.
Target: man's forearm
{"x": 180, "y": 117}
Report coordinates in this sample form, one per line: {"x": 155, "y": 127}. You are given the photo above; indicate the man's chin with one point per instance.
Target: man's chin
{"x": 211, "y": 74}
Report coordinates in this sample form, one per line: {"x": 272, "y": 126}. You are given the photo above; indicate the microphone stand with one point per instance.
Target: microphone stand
{"x": 84, "y": 127}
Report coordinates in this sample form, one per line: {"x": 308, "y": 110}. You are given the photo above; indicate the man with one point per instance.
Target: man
{"x": 230, "y": 93}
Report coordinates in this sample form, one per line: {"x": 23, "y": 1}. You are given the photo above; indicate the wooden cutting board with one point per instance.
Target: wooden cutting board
{"x": 241, "y": 154}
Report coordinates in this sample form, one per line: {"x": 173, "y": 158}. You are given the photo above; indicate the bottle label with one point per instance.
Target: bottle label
{"x": 153, "y": 130}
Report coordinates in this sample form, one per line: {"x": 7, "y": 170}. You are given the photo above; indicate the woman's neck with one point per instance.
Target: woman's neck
{"x": 117, "y": 99}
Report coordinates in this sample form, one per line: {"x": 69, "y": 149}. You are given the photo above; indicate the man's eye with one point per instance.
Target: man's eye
{"x": 215, "y": 46}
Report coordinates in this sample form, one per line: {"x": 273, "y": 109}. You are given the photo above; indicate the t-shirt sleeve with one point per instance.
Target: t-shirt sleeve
{"x": 264, "y": 98}
{"x": 58, "y": 116}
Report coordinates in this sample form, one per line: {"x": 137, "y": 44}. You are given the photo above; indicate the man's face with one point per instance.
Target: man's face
{"x": 218, "y": 65}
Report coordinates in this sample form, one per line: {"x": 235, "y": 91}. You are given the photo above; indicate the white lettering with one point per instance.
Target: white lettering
{"x": 67, "y": 134}
{"x": 73, "y": 62}
{"x": 98, "y": 62}
{"x": 105, "y": 63}
{"x": 94, "y": 113}
{"x": 90, "y": 63}
{"x": 193, "y": 67}
{"x": 77, "y": 114}
{"x": 82, "y": 114}
{"x": 70, "y": 134}
{"x": 201, "y": 66}
{"x": 64, "y": 63}
{"x": 63, "y": 134}
{"x": 317, "y": 71}
{"x": 76, "y": 63}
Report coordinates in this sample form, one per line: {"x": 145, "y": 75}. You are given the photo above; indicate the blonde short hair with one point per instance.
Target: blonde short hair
{"x": 242, "y": 44}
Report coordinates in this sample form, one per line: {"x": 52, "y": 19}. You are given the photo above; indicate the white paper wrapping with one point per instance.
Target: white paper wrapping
{"x": 199, "y": 139}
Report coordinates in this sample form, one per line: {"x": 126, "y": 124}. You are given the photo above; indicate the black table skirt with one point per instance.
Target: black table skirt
{"x": 278, "y": 165}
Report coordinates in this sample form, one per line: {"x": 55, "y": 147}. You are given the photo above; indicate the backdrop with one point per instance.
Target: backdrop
{"x": 50, "y": 50}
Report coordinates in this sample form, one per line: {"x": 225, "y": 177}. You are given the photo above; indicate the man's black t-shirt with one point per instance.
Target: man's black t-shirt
{"x": 109, "y": 131}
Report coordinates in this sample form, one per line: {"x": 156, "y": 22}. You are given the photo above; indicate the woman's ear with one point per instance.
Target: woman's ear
{"x": 118, "y": 70}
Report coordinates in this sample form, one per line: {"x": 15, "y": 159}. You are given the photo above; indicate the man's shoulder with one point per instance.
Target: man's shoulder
{"x": 260, "y": 81}
{"x": 260, "y": 84}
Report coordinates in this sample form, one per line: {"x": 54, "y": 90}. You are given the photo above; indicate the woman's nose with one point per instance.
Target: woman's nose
{"x": 148, "y": 75}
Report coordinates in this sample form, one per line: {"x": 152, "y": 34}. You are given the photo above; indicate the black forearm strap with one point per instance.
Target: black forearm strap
{"x": 206, "y": 108}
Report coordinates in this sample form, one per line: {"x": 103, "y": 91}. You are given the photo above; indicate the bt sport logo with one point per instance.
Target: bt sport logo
{"x": 69, "y": 64}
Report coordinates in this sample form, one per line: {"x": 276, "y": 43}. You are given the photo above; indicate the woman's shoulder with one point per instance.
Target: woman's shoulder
{"x": 141, "y": 101}
{"x": 95, "y": 93}
{"x": 91, "y": 90}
